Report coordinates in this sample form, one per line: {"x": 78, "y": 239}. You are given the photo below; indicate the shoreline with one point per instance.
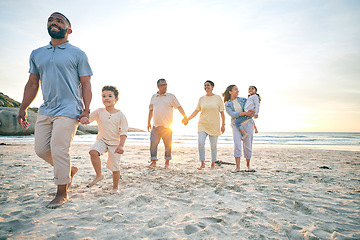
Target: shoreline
{"x": 274, "y": 147}
{"x": 342, "y": 143}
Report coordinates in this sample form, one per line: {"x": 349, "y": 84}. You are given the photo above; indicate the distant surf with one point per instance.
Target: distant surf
{"x": 324, "y": 140}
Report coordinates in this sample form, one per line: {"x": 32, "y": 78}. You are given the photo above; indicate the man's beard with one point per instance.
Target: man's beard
{"x": 57, "y": 35}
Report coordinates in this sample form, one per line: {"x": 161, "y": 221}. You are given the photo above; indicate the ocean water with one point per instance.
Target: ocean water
{"x": 323, "y": 140}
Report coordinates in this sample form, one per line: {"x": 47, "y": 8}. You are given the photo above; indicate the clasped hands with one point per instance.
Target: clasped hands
{"x": 84, "y": 120}
{"x": 185, "y": 121}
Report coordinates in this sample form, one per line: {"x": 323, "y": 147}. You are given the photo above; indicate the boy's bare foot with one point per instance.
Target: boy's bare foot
{"x": 212, "y": 167}
{"x": 73, "y": 171}
{"x": 96, "y": 179}
{"x": 236, "y": 170}
{"x": 57, "y": 202}
{"x": 244, "y": 136}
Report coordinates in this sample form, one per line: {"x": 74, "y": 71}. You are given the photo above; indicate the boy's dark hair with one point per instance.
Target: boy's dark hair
{"x": 111, "y": 88}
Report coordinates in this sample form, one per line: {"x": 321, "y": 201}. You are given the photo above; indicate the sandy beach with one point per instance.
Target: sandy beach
{"x": 294, "y": 194}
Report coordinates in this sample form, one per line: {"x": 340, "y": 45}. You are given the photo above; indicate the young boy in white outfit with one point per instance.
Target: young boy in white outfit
{"x": 111, "y": 137}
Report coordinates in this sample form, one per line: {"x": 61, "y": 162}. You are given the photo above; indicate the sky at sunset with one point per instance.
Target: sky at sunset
{"x": 302, "y": 55}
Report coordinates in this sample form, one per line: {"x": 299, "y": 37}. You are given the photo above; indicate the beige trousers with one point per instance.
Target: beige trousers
{"x": 53, "y": 138}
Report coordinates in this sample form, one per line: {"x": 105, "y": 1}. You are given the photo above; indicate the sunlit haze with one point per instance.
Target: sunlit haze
{"x": 302, "y": 55}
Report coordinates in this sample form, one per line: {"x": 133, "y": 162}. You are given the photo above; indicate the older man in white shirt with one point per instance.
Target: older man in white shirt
{"x": 161, "y": 110}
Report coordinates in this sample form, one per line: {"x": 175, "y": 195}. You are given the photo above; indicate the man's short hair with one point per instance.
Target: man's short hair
{"x": 111, "y": 88}
{"x": 160, "y": 80}
{"x": 63, "y": 16}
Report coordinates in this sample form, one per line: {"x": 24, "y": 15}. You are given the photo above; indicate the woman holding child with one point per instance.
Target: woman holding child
{"x": 211, "y": 108}
{"x": 235, "y": 108}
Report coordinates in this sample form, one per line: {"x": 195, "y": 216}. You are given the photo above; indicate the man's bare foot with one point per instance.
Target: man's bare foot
{"x": 73, "y": 171}
{"x": 96, "y": 179}
{"x": 244, "y": 136}
{"x": 167, "y": 164}
{"x": 212, "y": 167}
{"x": 58, "y": 201}
{"x": 236, "y": 170}
{"x": 152, "y": 164}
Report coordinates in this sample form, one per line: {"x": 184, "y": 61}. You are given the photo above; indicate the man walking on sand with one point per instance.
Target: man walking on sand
{"x": 64, "y": 74}
{"x": 161, "y": 108}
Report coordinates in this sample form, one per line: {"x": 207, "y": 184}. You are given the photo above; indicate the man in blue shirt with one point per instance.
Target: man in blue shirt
{"x": 64, "y": 74}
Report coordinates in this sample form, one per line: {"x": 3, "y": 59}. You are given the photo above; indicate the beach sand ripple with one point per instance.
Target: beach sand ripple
{"x": 290, "y": 196}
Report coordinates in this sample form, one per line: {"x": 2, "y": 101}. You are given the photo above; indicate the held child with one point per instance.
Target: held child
{"x": 111, "y": 137}
{"x": 252, "y": 103}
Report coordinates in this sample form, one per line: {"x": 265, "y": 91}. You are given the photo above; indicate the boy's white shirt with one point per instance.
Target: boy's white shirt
{"x": 111, "y": 125}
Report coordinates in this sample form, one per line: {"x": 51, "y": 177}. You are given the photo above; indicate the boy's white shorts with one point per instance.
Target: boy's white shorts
{"x": 113, "y": 162}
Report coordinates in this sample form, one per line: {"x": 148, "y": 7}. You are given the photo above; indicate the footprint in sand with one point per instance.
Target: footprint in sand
{"x": 302, "y": 208}
{"x": 213, "y": 219}
{"x": 139, "y": 201}
{"x": 156, "y": 222}
{"x": 190, "y": 229}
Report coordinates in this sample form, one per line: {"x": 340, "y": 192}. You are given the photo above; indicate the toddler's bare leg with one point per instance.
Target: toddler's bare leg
{"x": 96, "y": 162}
